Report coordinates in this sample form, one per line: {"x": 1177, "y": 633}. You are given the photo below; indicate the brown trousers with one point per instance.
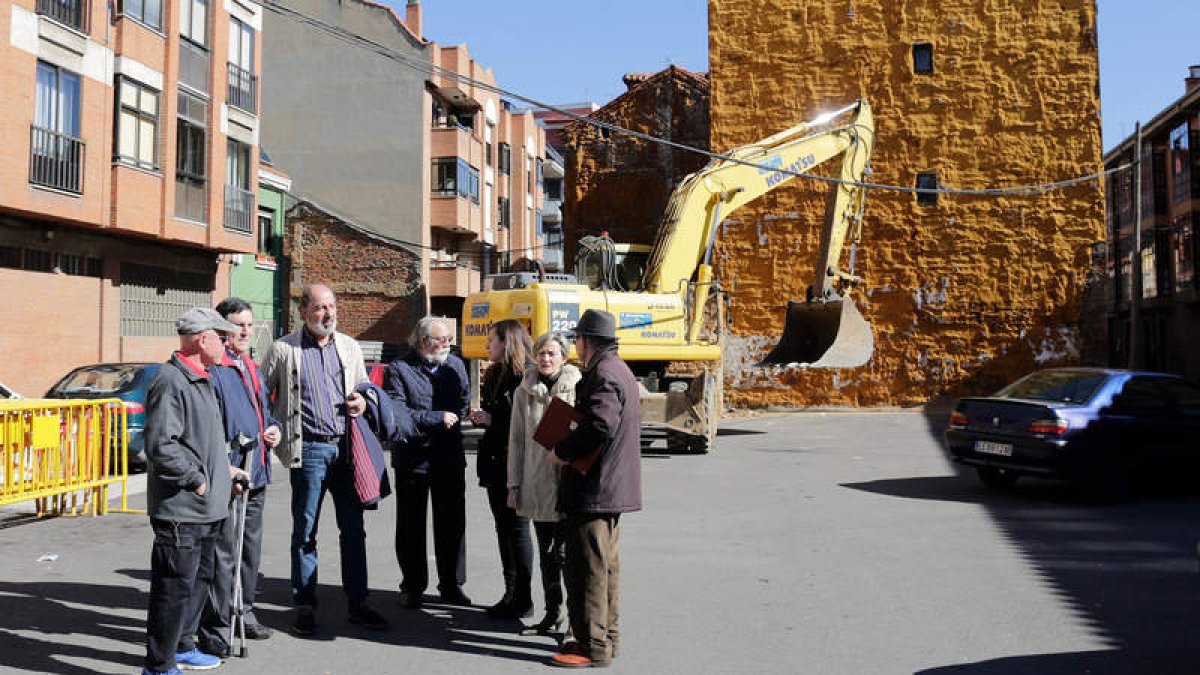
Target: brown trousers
{"x": 592, "y": 569}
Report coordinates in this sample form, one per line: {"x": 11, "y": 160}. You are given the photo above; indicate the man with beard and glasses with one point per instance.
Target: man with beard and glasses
{"x": 312, "y": 375}
{"x": 432, "y": 384}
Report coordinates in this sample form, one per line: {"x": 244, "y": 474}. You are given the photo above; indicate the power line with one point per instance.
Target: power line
{"x": 430, "y": 69}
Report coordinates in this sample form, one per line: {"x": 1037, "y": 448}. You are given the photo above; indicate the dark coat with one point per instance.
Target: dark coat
{"x": 185, "y": 447}
{"x": 496, "y": 398}
{"x": 609, "y": 399}
{"x": 426, "y": 395}
{"x": 241, "y": 418}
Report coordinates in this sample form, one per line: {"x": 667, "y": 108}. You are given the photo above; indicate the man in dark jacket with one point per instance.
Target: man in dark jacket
{"x": 609, "y": 401}
{"x": 431, "y": 384}
{"x": 250, "y": 433}
{"x": 188, "y": 484}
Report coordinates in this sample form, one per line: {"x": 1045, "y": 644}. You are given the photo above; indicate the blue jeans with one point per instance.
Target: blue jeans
{"x": 323, "y": 469}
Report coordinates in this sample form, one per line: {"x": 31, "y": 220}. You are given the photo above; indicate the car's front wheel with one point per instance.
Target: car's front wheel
{"x": 997, "y": 478}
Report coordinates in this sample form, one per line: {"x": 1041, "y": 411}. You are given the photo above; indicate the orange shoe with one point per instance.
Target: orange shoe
{"x": 573, "y": 660}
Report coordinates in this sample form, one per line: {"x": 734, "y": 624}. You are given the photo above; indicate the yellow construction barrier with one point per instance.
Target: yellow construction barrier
{"x": 63, "y": 454}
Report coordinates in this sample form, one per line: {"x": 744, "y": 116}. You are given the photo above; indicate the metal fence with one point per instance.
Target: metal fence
{"x": 243, "y": 88}
{"x": 239, "y": 210}
{"x": 67, "y": 12}
{"x": 63, "y": 455}
{"x": 55, "y": 160}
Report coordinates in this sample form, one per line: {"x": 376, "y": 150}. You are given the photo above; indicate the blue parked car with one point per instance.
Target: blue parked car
{"x": 1097, "y": 427}
{"x": 126, "y": 381}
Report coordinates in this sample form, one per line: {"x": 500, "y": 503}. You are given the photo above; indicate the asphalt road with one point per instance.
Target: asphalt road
{"x": 807, "y": 543}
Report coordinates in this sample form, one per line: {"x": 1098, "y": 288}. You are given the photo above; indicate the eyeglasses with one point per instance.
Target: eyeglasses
{"x": 441, "y": 339}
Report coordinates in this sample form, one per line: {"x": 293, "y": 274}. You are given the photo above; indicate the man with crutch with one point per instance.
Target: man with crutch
{"x": 250, "y": 431}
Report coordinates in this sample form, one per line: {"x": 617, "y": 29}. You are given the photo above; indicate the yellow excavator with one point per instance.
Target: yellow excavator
{"x": 670, "y": 311}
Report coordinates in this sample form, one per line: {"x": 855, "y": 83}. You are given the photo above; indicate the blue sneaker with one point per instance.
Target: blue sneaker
{"x": 173, "y": 671}
{"x": 196, "y": 660}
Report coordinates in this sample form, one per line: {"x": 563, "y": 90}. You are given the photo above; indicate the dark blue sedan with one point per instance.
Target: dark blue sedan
{"x": 1097, "y": 427}
{"x": 126, "y": 381}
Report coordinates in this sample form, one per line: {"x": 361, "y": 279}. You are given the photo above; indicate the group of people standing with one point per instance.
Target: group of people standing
{"x": 213, "y": 412}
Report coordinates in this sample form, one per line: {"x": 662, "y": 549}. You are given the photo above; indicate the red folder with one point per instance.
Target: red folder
{"x": 557, "y": 423}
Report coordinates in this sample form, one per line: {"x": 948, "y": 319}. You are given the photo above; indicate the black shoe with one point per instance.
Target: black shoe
{"x": 410, "y": 600}
{"x": 510, "y": 609}
{"x": 215, "y": 647}
{"x": 257, "y": 631}
{"x": 367, "y": 618}
{"x": 549, "y": 625}
{"x": 455, "y": 596}
{"x": 306, "y": 621}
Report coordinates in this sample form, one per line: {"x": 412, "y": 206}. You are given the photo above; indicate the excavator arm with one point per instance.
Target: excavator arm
{"x": 683, "y": 247}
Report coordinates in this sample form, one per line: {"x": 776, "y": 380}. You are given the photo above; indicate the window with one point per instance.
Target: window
{"x": 454, "y": 176}
{"x": 10, "y": 257}
{"x": 191, "y": 174}
{"x": 1140, "y": 393}
{"x": 554, "y": 188}
{"x": 137, "y": 124}
{"x": 38, "y": 261}
{"x": 239, "y": 200}
{"x": 505, "y": 213}
{"x": 57, "y": 150}
{"x": 193, "y": 21}
{"x": 927, "y": 181}
{"x": 148, "y": 12}
{"x": 505, "y": 158}
{"x": 243, "y": 84}
{"x": 529, "y": 174}
{"x": 922, "y": 56}
{"x": 445, "y": 175}
{"x": 266, "y": 232}
{"x": 488, "y": 153}
{"x": 1181, "y": 165}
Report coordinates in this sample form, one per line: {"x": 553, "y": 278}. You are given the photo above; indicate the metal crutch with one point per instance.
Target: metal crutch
{"x": 237, "y": 618}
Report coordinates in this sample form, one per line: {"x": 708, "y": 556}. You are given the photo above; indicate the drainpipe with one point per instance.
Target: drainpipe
{"x": 1135, "y": 293}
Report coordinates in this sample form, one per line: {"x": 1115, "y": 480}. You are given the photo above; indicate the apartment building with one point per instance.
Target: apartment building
{"x": 487, "y": 164}
{"x": 130, "y": 140}
{"x": 1151, "y": 254}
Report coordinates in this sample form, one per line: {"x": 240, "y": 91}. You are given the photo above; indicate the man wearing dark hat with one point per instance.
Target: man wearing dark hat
{"x": 608, "y": 399}
{"x": 188, "y": 483}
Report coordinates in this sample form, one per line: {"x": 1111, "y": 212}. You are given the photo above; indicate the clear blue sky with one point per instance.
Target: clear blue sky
{"x": 577, "y": 50}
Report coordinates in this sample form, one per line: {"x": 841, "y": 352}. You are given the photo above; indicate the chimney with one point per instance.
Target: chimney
{"x": 412, "y": 17}
{"x": 1193, "y": 79}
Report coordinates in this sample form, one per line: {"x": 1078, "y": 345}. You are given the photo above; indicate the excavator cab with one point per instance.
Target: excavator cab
{"x": 831, "y": 334}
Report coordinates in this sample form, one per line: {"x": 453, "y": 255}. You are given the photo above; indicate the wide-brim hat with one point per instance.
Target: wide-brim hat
{"x": 597, "y": 323}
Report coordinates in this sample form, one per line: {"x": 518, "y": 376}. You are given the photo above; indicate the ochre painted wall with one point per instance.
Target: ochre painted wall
{"x": 965, "y": 295}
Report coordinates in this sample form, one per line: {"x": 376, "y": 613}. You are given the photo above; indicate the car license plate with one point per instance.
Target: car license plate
{"x": 990, "y": 448}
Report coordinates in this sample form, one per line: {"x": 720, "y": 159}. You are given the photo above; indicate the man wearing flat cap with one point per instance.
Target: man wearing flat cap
{"x": 188, "y": 484}
{"x": 609, "y": 439}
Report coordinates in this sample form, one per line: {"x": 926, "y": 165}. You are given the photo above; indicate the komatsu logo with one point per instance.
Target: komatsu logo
{"x": 774, "y": 163}
{"x": 795, "y": 167}
{"x": 477, "y": 329}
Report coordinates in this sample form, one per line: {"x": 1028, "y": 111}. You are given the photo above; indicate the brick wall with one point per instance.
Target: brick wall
{"x": 965, "y": 295}
{"x": 381, "y": 294}
{"x": 619, "y": 184}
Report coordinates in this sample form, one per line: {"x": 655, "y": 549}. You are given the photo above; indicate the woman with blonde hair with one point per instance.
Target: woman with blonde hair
{"x": 532, "y": 476}
{"x": 509, "y": 350}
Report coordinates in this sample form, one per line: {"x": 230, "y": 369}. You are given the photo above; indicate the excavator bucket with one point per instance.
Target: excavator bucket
{"x": 823, "y": 335}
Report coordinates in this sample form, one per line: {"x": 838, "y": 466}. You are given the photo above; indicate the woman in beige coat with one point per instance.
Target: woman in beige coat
{"x": 532, "y": 477}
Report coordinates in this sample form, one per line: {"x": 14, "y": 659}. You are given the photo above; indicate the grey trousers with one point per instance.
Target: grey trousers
{"x": 592, "y": 572}
{"x": 218, "y": 606}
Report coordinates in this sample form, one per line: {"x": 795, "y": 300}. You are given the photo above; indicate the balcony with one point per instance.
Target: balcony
{"x": 239, "y": 210}
{"x": 243, "y": 89}
{"x": 71, "y": 13}
{"x": 193, "y": 66}
{"x": 191, "y": 199}
{"x": 56, "y": 160}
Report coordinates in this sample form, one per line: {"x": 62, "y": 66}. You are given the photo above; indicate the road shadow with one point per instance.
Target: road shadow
{"x": 1179, "y": 661}
{"x": 1127, "y": 571}
{"x": 54, "y": 608}
{"x": 435, "y": 626}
